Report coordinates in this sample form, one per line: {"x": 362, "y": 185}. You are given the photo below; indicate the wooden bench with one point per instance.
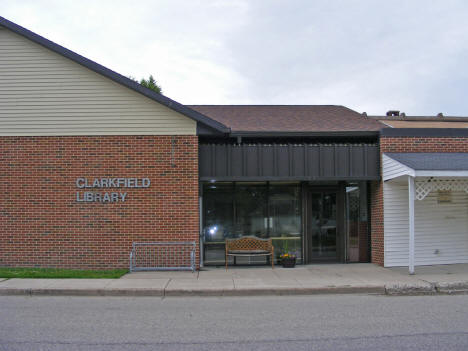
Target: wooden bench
{"x": 249, "y": 246}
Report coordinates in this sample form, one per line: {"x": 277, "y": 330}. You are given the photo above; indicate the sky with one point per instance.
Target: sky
{"x": 370, "y": 56}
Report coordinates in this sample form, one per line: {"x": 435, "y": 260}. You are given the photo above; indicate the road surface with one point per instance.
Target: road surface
{"x": 327, "y": 322}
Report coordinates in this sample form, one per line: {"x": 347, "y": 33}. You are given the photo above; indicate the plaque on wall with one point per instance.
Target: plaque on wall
{"x": 444, "y": 196}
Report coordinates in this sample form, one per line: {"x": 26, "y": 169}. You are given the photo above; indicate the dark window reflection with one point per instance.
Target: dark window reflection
{"x": 352, "y": 222}
{"x": 323, "y": 225}
{"x": 251, "y": 210}
{"x": 218, "y": 212}
{"x": 284, "y": 219}
{"x": 233, "y": 210}
{"x": 356, "y": 222}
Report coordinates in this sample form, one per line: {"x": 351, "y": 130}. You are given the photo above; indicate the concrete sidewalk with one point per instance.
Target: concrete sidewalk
{"x": 247, "y": 281}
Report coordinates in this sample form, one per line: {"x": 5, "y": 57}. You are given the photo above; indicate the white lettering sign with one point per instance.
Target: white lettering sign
{"x": 113, "y": 183}
{"x": 99, "y": 183}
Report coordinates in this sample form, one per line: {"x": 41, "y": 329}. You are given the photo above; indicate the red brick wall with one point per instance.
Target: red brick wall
{"x": 403, "y": 144}
{"x": 42, "y": 224}
{"x": 419, "y": 144}
{"x": 377, "y": 230}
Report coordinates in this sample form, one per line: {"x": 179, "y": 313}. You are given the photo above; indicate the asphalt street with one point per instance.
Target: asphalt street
{"x": 326, "y": 322}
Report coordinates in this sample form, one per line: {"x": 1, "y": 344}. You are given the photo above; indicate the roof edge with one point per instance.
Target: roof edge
{"x": 116, "y": 77}
{"x": 359, "y": 133}
{"x": 421, "y": 171}
{"x": 424, "y": 132}
{"x": 421, "y": 118}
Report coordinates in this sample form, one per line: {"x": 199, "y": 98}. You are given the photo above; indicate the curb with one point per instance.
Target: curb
{"x": 452, "y": 288}
{"x": 278, "y": 292}
{"x": 430, "y": 289}
{"x": 193, "y": 292}
{"x": 400, "y": 290}
{"x": 392, "y": 290}
{"x": 82, "y": 292}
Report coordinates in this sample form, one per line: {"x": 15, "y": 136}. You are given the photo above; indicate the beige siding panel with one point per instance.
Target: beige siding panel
{"x": 441, "y": 230}
{"x": 43, "y": 93}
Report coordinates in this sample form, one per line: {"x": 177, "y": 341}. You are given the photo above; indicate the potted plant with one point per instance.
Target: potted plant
{"x": 288, "y": 260}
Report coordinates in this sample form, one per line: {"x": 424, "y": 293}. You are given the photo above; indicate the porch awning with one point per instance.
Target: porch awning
{"x": 425, "y": 172}
{"x": 422, "y": 164}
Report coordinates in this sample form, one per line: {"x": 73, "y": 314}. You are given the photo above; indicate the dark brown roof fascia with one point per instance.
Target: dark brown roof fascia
{"x": 305, "y": 134}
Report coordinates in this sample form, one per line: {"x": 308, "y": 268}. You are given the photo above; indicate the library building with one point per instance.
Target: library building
{"x": 99, "y": 172}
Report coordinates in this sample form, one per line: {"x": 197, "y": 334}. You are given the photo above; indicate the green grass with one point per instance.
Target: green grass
{"x": 10, "y": 272}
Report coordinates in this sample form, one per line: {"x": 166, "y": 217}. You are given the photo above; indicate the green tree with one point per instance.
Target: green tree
{"x": 149, "y": 83}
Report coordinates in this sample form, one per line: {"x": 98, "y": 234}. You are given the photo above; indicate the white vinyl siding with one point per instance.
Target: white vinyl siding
{"x": 44, "y": 93}
{"x": 393, "y": 169}
{"x": 396, "y": 224}
{"x": 442, "y": 227}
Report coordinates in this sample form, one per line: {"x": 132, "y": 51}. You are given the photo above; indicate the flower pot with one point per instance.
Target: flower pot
{"x": 289, "y": 262}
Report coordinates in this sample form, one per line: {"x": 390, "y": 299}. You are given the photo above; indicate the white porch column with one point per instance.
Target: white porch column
{"x": 411, "y": 224}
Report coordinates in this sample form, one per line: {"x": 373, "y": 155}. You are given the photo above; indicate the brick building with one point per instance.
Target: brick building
{"x": 91, "y": 162}
{"x": 421, "y": 204}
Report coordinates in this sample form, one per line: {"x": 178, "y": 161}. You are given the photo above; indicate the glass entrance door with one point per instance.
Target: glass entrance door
{"x": 322, "y": 226}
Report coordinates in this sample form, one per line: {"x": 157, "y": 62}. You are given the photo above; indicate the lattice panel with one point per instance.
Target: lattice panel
{"x": 424, "y": 187}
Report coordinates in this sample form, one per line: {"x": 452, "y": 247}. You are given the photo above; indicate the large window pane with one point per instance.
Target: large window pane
{"x": 356, "y": 222}
{"x": 323, "y": 225}
{"x": 284, "y": 219}
{"x": 352, "y": 222}
{"x": 218, "y": 205}
{"x": 251, "y": 210}
{"x": 233, "y": 210}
